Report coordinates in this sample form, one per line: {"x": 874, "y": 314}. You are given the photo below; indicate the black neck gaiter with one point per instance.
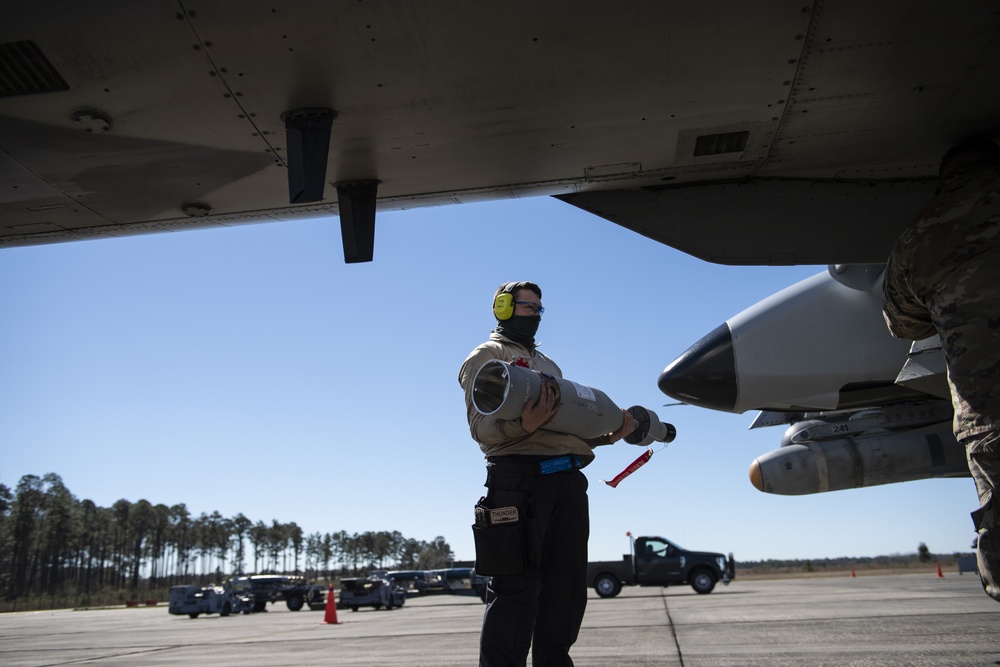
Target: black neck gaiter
{"x": 520, "y": 329}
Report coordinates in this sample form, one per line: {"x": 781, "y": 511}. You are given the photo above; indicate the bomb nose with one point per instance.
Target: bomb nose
{"x": 705, "y": 374}
{"x": 755, "y": 476}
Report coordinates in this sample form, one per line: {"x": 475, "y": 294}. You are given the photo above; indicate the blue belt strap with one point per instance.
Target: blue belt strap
{"x": 560, "y": 463}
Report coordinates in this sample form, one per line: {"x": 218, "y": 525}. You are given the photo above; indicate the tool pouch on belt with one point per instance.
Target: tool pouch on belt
{"x": 499, "y": 537}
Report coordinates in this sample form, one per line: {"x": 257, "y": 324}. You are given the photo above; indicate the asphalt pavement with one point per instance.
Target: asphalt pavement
{"x": 871, "y": 621}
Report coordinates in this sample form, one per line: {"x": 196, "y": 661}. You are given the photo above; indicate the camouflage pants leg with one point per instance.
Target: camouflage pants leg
{"x": 984, "y": 464}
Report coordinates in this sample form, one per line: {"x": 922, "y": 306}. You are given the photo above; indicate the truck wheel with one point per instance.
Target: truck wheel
{"x": 226, "y": 609}
{"x": 702, "y": 581}
{"x": 294, "y": 602}
{"x": 259, "y": 605}
{"x": 607, "y": 586}
{"x": 193, "y": 615}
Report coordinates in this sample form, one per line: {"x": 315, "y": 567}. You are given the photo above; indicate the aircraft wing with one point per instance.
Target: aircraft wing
{"x": 771, "y": 132}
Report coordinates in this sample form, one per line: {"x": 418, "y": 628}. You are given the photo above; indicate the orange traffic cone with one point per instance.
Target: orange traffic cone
{"x": 852, "y": 573}
{"x": 331, "y": 608}
{"x": 939, "y": 573}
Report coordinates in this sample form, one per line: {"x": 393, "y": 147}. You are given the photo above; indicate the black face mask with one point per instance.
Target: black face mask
{"x": 520, "y": 328}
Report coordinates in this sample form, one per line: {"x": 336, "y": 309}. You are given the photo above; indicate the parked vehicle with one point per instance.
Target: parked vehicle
{"x": 454, "y": 581}
{"x": 411, "y": 581}
{"x": 374, "y": 592}
{"x": 294, "y": 590}
{"x": 197, "y": 600}
{"x": 656, "y": 561}
{"x": 480, "y": 583}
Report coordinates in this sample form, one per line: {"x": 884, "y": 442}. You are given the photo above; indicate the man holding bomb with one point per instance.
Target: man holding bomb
{"x": 536, "y": 501}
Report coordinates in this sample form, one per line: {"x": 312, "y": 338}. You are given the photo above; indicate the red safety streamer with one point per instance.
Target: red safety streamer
{"x": 632, "y": 467}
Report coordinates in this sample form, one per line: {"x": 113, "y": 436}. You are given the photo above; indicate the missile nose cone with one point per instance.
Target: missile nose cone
{"x": 705, "y": 374}
{"x": 755, "y": 475}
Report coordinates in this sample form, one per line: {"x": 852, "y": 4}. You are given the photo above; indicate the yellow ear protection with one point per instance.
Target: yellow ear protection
{"x": 503, "y": 304}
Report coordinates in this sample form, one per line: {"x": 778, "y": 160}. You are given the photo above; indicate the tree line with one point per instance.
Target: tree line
{"x": 52, "y": 544}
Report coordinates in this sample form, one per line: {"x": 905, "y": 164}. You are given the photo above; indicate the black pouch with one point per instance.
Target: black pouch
{"x": 499, "y": 537}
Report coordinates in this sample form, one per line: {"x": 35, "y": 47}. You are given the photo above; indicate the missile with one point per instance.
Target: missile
{"x": 862, "y": 448}
{"x": 818, "y": 355}
{"x": 820, "y": 344}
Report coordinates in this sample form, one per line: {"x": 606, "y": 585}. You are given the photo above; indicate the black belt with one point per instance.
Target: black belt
{"x": 536, "y": 465}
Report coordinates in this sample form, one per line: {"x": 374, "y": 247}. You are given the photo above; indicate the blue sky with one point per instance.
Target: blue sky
{"x": 250, "y": 370}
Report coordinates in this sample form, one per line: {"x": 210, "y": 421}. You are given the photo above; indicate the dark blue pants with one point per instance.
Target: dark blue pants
{"x": 542, "y": 609}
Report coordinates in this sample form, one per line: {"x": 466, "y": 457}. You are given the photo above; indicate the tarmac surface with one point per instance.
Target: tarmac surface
{"x": 870, "y": 621}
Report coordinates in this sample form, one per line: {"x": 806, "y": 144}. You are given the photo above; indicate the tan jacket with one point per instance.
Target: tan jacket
{"x": 500, "y": 437}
